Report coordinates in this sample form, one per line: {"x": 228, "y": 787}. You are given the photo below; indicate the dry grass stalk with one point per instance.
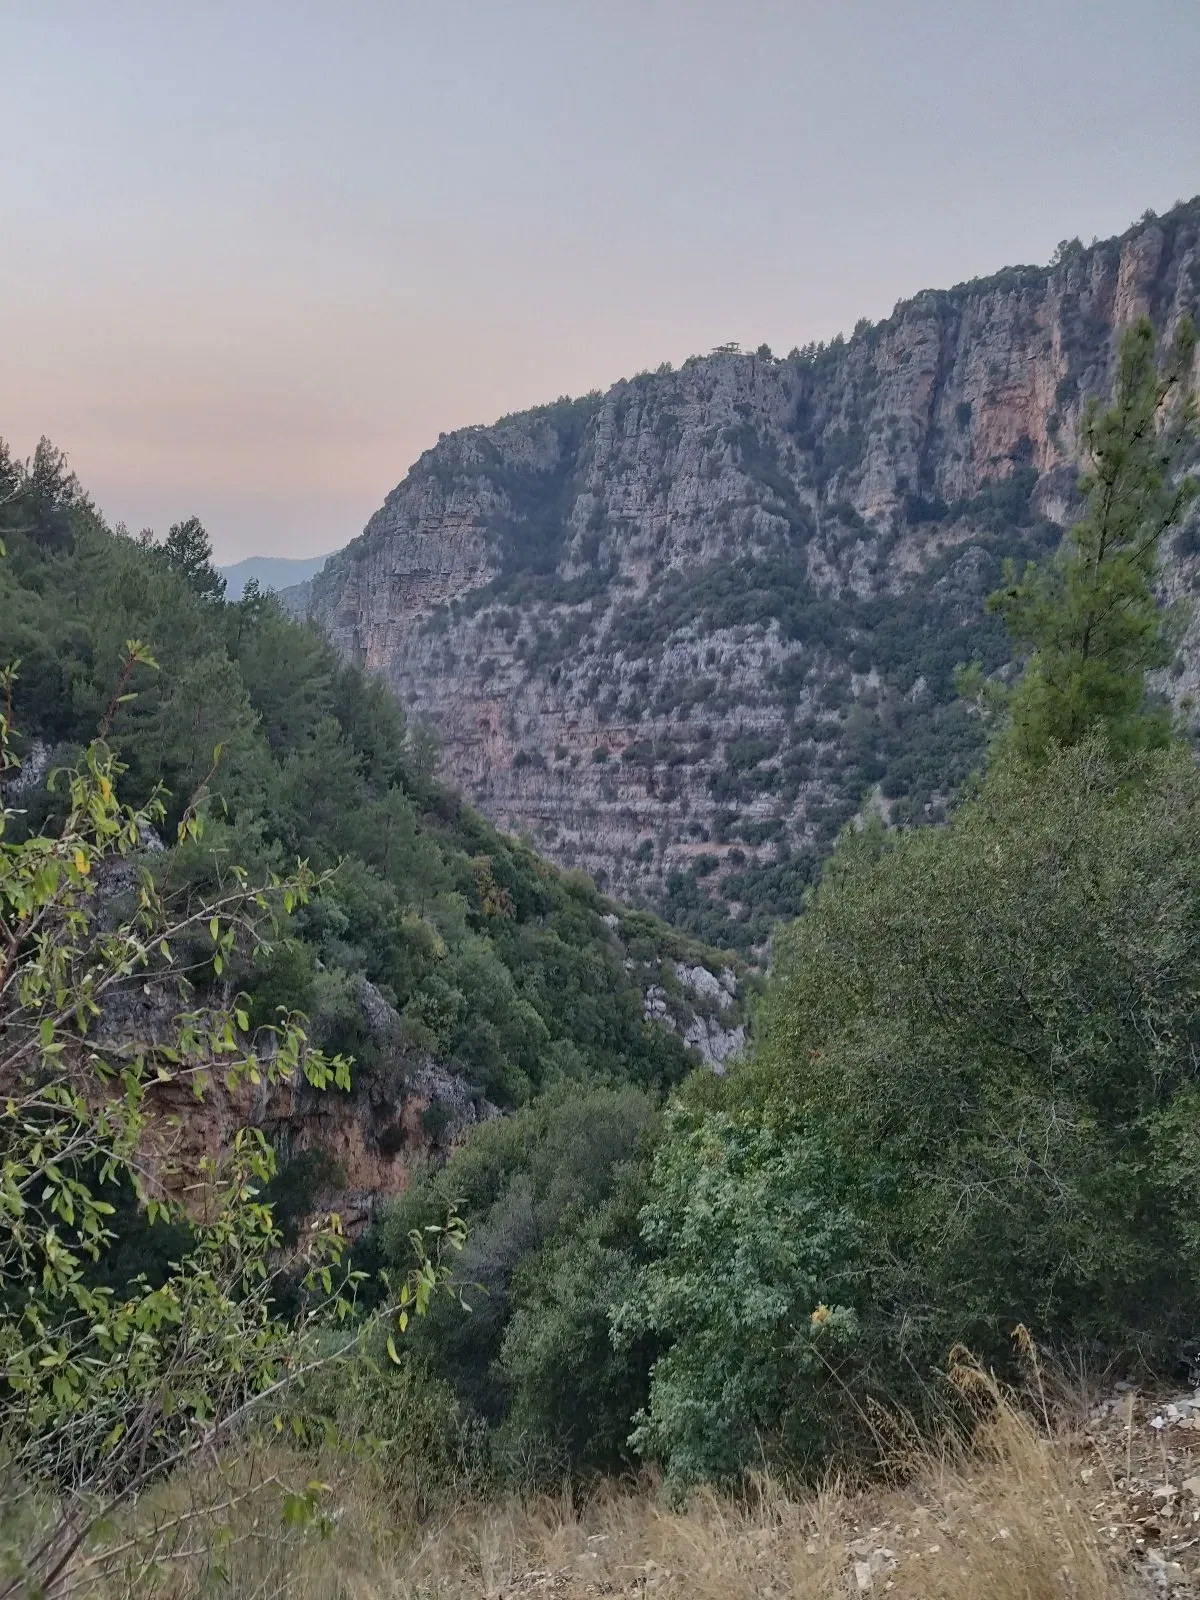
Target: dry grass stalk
{"x": 1005, "y": 1521}
{"x": 1005, "y": 1525}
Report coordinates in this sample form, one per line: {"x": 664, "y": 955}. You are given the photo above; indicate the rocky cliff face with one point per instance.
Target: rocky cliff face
{"x": 361, "y": 1145}
{"x": 676, "y": 632}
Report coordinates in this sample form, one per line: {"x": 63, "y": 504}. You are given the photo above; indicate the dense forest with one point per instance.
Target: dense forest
{"x": 497, "y": 963}
{"x": 501, "y": 967}
{"x": 968, "y": 1109}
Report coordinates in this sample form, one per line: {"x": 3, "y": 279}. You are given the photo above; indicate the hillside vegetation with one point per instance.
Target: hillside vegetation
{"x": 462, "y": 975}
{"x": 964, "y": 1131}
{"x": 498, "y": 964}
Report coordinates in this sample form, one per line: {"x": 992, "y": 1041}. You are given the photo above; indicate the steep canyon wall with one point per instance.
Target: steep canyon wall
{"x": 676, "y": 632}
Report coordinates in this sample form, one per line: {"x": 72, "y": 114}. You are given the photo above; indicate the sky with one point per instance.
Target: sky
{"x": 255, "y": 257}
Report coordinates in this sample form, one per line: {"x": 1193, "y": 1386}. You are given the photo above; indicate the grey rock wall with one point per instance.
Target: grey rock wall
{"x": 677, "y": 631}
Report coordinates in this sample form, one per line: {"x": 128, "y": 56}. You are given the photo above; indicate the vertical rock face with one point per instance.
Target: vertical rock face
{"x": 360, "y": 1147}
{"x": 676, "y": 632}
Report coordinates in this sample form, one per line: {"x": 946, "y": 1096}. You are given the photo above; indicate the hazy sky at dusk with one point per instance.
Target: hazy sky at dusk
{"x": 255, "y": 257}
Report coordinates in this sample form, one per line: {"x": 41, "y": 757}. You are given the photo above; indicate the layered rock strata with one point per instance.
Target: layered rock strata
{"x": 677, "y": 632}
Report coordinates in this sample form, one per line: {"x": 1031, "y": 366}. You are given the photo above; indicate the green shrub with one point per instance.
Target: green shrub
{"x": 552, "y": 1195}
{"x": 747, "y": 1208}
{"x": 978, "y": 1050}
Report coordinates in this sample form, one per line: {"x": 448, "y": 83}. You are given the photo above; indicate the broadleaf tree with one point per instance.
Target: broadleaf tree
{"x": 105, "y": 1390}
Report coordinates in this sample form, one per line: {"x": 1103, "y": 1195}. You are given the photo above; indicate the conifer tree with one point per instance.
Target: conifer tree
{"x": 188, "y": 550}
{"x": 1090, "y": 617}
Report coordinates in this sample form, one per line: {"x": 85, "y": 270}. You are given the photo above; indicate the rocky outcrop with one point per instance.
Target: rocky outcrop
{"x": 674, "y": 632}
{"x": 367, "y": 1139}
{"x": 407, "y": 1106}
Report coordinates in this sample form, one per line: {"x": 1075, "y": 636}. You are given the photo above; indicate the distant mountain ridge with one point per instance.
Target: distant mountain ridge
{"x": 272, "y": 572}
{"x": 680, "y": 632}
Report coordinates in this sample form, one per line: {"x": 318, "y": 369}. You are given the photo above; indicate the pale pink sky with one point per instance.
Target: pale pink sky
{"x": 254, "y": 257}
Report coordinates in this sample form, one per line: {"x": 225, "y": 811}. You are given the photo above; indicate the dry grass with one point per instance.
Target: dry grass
{"x": 1006, "y": 1525}
{"x": 1009, "y": 1522}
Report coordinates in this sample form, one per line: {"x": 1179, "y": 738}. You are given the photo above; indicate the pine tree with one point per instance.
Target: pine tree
{"x": 1090, "y": 617}
{"x": 188, "y": 550}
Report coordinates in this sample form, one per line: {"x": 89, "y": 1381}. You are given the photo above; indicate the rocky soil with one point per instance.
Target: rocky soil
{"x": 1135, "y": 1457}
{"x": 676, "y": 632}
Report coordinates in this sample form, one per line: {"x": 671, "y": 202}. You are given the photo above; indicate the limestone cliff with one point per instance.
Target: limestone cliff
{"x": 407, "y": 1105}
{"x": 675, "y": 632}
